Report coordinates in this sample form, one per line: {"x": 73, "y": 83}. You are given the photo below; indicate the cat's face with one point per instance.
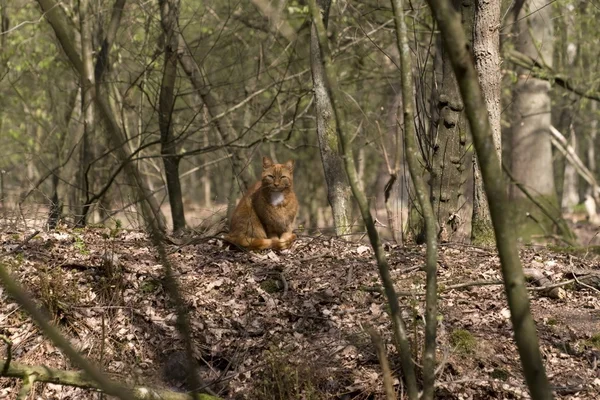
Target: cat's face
{"x": 277, "y": 177}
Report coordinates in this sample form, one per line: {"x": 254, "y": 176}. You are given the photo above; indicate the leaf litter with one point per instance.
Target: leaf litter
{"x": 302, "y": 312}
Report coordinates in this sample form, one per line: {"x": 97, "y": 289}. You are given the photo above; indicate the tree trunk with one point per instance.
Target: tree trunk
{"x": 512, "y": 270}
{"x": 394, "y": 190}
{"x": 570, "y": 195}
{"x": 450, "y": 157}
{"x": 169, "y": 12}
{"x": 486, "y": 49}
{"x": 338, "y": 191}
{"x": 531, "y": 158}
{"x": 87, "y": 111}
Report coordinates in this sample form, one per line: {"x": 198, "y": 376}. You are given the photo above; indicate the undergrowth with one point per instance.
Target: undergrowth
{"x": 282, "y": 379}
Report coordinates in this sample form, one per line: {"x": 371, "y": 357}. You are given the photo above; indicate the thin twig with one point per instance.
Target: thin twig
{"x": 388, "y": 383}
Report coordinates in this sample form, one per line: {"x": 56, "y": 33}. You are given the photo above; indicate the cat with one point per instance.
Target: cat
{"x": 264, "y": 217}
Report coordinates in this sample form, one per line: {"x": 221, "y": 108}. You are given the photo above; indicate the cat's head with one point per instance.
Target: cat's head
{"x": 277, "y": 177}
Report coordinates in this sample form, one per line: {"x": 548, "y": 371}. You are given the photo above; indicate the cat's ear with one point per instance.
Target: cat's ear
{"x": 289, "y": 165}
{"x": 267, "y": 162}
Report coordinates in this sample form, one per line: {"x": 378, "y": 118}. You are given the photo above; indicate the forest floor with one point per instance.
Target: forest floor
{"x": 291, "y": 324}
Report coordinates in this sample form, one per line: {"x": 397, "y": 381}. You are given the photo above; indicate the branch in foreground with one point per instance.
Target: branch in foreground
{"x": 402, "y": 342}
{"x": 455, "y": 42}
{"x": 81, "y": 380}
{"x": 413, "y": 158}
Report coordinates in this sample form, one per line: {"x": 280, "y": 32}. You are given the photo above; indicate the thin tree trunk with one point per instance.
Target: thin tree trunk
{"x": 87, "y": 111}
{"x": 512, "y": 271}
{"x": 338, "y": 191}
{"x": 206, "y": 182}
{"x": 241, "y": 165}
{"x": 591, "y": 152}
{"x": 57, "y": 21}
{"x": 412, "y": 157}
{"x": 113, "y": 27}
{"x": 486, "y": 50}
{"x": 570, "y": 196}
{"x": 169, "y": 12}
{"x": 330, "y": 85}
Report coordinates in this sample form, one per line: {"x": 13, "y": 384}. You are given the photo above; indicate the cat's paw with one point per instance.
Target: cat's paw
{"x": 286, "y": 240}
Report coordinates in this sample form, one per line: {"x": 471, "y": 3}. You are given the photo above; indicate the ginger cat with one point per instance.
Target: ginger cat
{"x": 264, "y": 217}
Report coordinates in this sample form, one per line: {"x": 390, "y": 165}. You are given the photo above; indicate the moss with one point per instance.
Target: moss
{"x": 500, "y": 374}
{"x": 579, "y": 209}
{"x": 531, "y": 222}
{"x": 552, "y": 322}
{"x": 416, "y": 224}
{"x": 595, "y": 341}
{"x": 150, "y": 285}
{"x": 463, "y": 341}
{"x": 271, "y": 286}
{"x": 483, "y": 233}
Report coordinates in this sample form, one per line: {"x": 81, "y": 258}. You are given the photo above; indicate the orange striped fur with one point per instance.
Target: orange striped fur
{"x": 264, "y": 217}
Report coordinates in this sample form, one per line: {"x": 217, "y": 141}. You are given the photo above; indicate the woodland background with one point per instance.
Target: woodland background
{"x": 119, "y": 116}
{"x": 251, "y": 95}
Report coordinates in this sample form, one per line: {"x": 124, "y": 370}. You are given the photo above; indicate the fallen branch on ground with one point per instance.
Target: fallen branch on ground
{"x": 547, "y": 288}
{"x": 80, "y": 379}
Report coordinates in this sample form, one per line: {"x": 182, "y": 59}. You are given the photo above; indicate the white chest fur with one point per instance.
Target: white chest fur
{"x": 276, "y": 198}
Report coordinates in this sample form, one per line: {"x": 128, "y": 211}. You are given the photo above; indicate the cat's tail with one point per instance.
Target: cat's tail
{"x": 261, "y": 244}
{"x": 252, "y": 243}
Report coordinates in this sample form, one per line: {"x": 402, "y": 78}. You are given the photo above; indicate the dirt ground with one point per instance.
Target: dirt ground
{"x": 290, "y": 324}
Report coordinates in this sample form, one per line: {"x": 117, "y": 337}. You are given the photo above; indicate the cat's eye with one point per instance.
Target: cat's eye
{"x": 284, "y": 177}
{"x": 270, "y": 177}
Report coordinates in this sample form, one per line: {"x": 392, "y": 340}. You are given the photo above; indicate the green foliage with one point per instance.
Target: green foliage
{"x": 80, "y": 246}
{"x": 595, "y": 341}
{"x": 150, "y": 285}
{"x": 463, "y": 341}
{"x": 114, "y": 232}
{"x": 282, "y": 379}
{"x": 482, "y": 233}
{"x": 271, "y": 286}
{"x": 500, "y": 374}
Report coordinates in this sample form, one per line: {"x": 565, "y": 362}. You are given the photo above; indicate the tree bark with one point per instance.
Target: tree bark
{"x": 169, "y": 13}
{"x": 531, "y": 150}
{"x": 87, "y": 111}
{"x": 450, "y": 157}
{"x": 113, "y": 27}
{"x": 486, "y": 49}
{"x": 512, "y": 271}
{"x": 338, "y": 191}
